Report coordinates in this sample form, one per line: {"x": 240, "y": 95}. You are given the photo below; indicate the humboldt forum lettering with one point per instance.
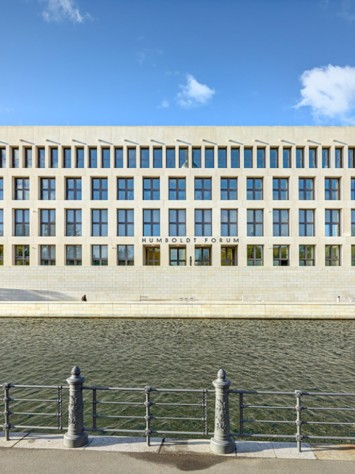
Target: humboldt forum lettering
{"x": 166, "y": 212}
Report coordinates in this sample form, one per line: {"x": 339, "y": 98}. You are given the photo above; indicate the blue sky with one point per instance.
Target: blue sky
{"x": 177, "y": 62}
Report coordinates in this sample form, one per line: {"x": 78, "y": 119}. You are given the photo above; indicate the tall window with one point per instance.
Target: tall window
{"x": 286, "y": 157}
{"x": 306, "y": 222}
{"x": 307, "y": 255}
{"x": 196, "y": 157}
{"x": 47, "y": 223}
{"x": 73, "y": 255}
{"x": 105, "y": 158}
{"x": 280, "y": 189}
{"x": 2, "y": 158}
{"x": 255, "y": 255}
{"x": 203, "y": 256}
{"x": 248, "y": 157}
{"x": 41, "y": 157}
{"x": 229, "y": 189}
{"x": 28, "y": 158}
{"x": 170, "y": 158}
{"x": 22, "y": 254}
{"x": 351, "y": 158}
{"x": 255, "y": 222}
{"x": 157, "y": 157}
{"x": 92, "y": 157}
{"x": 203, "y": 222}
{"x": 261, "y": 158}
{"x": 332, "y": 189}
{"x": 79, "y": 158}
{"x": 325, "y": 158}
{"x": 73, "y": 223}
{"x": 125, "y": 222}
{"x": 151, "y": 222}
{"x": 177, "y": 256}
{"x": 22, "y": 189}
{"x": 1, "y": 222}
{"x": 274, "y": 157}
{"x": 235, "y": 157}
{"x": 152, "y": 255}
{"x": 332, "y": 222}
{"x": 281, "y": 255}
{"x": 332, "y": 255}
{"x": 99, "y": 255}
{"x": 222, "y": 157}
{"x": 280, "y": 219}
{"x": 254, "y": 189}
{"x": 151, "y": 189}
{"x": 353, "y": 255}
{"x": 144, "y": 157}
{"x": 339, "y": 158}
{"x": 353, "y": 222}
{"x": 299, "y": 157}
{"x": 15, "y": 158}
{"x": 132, "y": 157}
{"x": 21, "y": 222}
{"x": 183, "y": 158}
{"x": 47, "y": 189}
{"x": 352, "y": 190}
{"x": 125, "y": 189}
{"x": 209, "y": 157}
{"x": 54, "y": 157}
{"x": 177, "y": 222}
{"x": 229, "y": 222}
{"x": 306, "y": 189}
{"x": 229, "y": 256}
{"x": 1, "y": 255}
{"x": 67, "y": 158}
{"x": 73, "y": 189}
{"x": 47, "y": 254}
{"x": 1, "y": 189}
{"x": 119, "y": 157}
{"x": 125, "y": 255}
{"x": 99, "y": 189}
{"x": 203, "y": 189}
{"x": 312, "y": 158}
{"x": 177, "y": 189}
{"x": 99, "y": 223}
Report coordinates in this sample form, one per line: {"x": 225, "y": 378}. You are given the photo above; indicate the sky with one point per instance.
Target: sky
{"x": 177, "y": 62}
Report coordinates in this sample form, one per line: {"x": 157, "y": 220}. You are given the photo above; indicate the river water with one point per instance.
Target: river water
{"x": 276, "y": 355}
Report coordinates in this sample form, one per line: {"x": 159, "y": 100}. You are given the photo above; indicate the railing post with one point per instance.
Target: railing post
{"x": 222, "y": 442}
{"x": 7, "y": 412}
{"x": 298, "y": 408}
{"x": 75, "y": 437}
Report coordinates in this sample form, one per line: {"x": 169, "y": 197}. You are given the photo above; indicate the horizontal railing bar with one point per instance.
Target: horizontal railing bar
{"x": 53, "y": 400}
{"x": 330, "y": 408}
{"x": 112, "y": 430}
{"x": 177, "y": 418}
{"x": 200, "y": 433}
{"x": 257, "y": 435}
{"x": 200, "y": 405}
{"x": 269, "y": 421}
{"x": 133, "y": 404}
{"x": 114, "y": 389}
{"x": 259, "y": 392}
{"x": 33, "y": 427}
{"x": 269, "y": 407}
{"x": 33, "y": 414}
{"x": 336, "y": 423}
{"x": 118, "y": 417}
{"x": 331, "y": 437}
{"x": 56, "y": 387}
{"x": 151, "y": 389}
{"x": 269, "y": 392}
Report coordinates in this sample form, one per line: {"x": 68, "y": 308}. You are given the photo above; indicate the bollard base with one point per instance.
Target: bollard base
{"x": 75, "y": 441}
{"x": 226, "y": 446}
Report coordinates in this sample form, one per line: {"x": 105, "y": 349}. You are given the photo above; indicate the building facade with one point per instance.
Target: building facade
{"x": 204, "y": 201}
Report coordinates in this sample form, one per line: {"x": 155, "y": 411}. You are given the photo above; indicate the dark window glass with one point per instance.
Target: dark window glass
{"x": 281, "y": 255}
{"x": 209, "y": 157}
{"x": 353, "y": 222}
{"x": 105, "y": 158}
{"x": 99, "y": 255}
{"x": 15, "y": 158}
{"x": 157, "y": 158}
{"x": 67, "y": 158}
{"x": 73, "y": 223}
{"x": 151, "y": 222}
{"x": 92, "y": 157}
{"x": 28, "y": 158}
{"x": 1, "y": 222}
{"x": 41, "y": 158}
{"x": 125, "y": 190}
{"x": 152, "y": 256}
{"x": 235, "y": 157}
{"x": 339, "y": 158}
{"x": 196, "y": 157}
{"x": 332, "y": 189}
{"x": 132, "y": 157}
{"x": 99, "y": 189}
{"x": 286, "y": 158}
{"x": 73, "y": 189}
{"x": 99, "y": 223}
{"x": 177, "y": 222}
{"x": 119, "y": 157}
{"x": 1, "y": 189}
{"x": 325, "y": 158}
{"x": 177, "y": 189}
{"x": 352, "y": 188}
{"x": 170, "y": 158}
{"x": 73, "y": 255}
{"x": 306, "y": 222}
{"x": 125, "y": 222}
{"x": 79, "y": 158}
{"x": 177, "y": 256}
{"x": 248, "y": 157}
{"x": 229, "y": 256}
{"x": 255, "y": 189}
{"x": 351, "y": 158}
{"x": 22, "y": 254}
{"x": 306, "y": 189}
{"x": 125, "y": 255}
{"x": 313, "y": 158}
{"x": 255, "y": 255}
{"x": 280, "y": 222}
{"x": 203, "y": 189}
{"x": 260, "y": 158}
{"x": 151, "y": 189}
{"x": 229, "y": 222}
{"x": 144, "y": 158}
{"x": 222, "y": 157}
{"x": 2, "y": 158}
{"x": 332, "y": 222}
{"x": 332, "y": 255}
{"x": 21, "y": 189}
{"x": 203, "y": 256}
{"x": 21, "y": 222}
{"x": 280, "y": 189}
{"x": 183, "y": 158}
{"x": 299, "y": 157}
{"x": 47, "y": 223}
{"x": 229, "y": 190}
{"x": 54, "y": 157}
{"x": 47, "y": 255}
{"x": 307, "y": 255}
{"x": 274, "y": 157}
{"x": 47, "y": 189}
{"x": 203, "y": 222}
{"x": 255, "y": 222}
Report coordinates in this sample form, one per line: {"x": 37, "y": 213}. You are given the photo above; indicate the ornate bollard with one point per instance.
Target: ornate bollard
{"x": 222, "y": 442}
{"x": 75, "y": 437}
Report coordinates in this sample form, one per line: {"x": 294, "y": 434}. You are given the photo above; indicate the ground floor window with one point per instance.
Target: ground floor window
{"x": 73, "y": 255}
{"x": 151, "y": 256}
{"x": 22, "y": 254}
{"x": 177, "y": 256}
{"x": 229, "y": 256}
{"x": 255, "y": 255}
{"x": 99, "y": 255}
{"x": 332, "y": 255}
{"x": 307, "y": 255}
{"x": 125, "y": 255}
{"x": 281, "y": 255}
{"x": 203, "y": 256}
{"x": 47, "y": 254}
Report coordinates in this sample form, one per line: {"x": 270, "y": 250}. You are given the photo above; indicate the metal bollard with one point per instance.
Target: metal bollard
{"x": 75, "y": 437}
{"x": 222, "y": 442}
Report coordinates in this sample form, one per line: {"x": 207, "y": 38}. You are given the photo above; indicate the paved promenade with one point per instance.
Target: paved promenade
{"x": 108, "y": 455}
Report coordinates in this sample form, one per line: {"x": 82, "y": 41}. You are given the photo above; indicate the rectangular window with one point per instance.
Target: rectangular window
{"x": 254, "y": 189}
{"x": 21, "y": 222}
{"x": 307, "y": 255}
{"x": 144, "y": 157}
{"x": 125, "y": 189}
{"x": 325, "y": 158}
{"x": 286, "y": 158}
{"x": 151, "y": 222}
{"x": 73, "y": 255}
{"x": 177, "y": 189}
{"x": 177, "y": 222}
{"x": 332, "y": 255}
{"x": 47, "y": 254}
{"x": 274, "y": 157}
{"x": 280, "y": 190}
{"x": 229, "y": 189}
{"x": 73, "y": 189}
{"x": 281, "y": 255}
{"x": 255, "y": 222}
{"x": 177, "y": 256}
{"x": 235, "y": 157}
{"x": 196, "y": 157}
{"x": 170, "y": 158}
{"x": 47, "y": 189}
{"x": 1, "y": 222}
{"x": 248, "y": 157}
{"x": 22, "y": 254}
{"x": 54, "y": 157}
{"x": 15, "y": 158}
{"x": 119, "y": 157}
{"x": 351, "y": 158}
{"x": 229, "y": 256}
{"x": 2, "y": 158}
{"x": 352, "y": 222}
{"x": 151, "y": 189}
{"x": 353, "y": 255}
{"x": 332, "y": 222}
{"x": 331, "y": 189}
{"x": 157, "y": 157}
{"x": 73, "y": 223}
{"x": 280, "y": 218}
{"x": 21, "y": 189}
{"x": 352, "y": 189}
{"x": 152, "y": 256}
{"x": 203, "y": 222}
{"x": 125, "y": 255}
{"x": 1, "y": 189}
{"x": 132, "y": 157}
{"x": 79, "y": 158}
{"x": 306, "y": 189}
{"x": 99, "y": 223}
{"x": 203, "y": 256}
{"x": 41, "y": 157}
{"x": 306, "y": 222}
{"x": 47, "y": 223}
{"x": 339, "y": 158}
{"x": 99, "y": 255}
{"x": 209, "y": 157}
{"x": 99, "y": 189}
{"x": 28, "y": 158}
{"x": 261, "y": 158}
{"x": 1, "y": 255}
{"x": 299, "y": 157}
{"x": 203, "y": 189}
{"x": 105, "y": 158}
{"x": 312, "y": 158}
{"x": 229, "y": 222}
{"x": 125, "y": 222}
{"x": 92, "y": 157}
{"x": 66, "y": 157}
{"x": 183, "y": 158}
{"x": 255, "y": 255}
{"x": 222, "y": 157}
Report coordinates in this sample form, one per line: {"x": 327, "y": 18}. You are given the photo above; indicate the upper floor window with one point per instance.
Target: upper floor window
{"x": 222, "y": 157}
{"x": 92, "y": 157}
{"x": 105, "y": 158}
{"x": 248, "y": 157}
{"x": 261, "y": 158}
{"x": 235, "y": 157}
{"x": 99, "y": 222}
{"x": 325, "y": 158}
{"x": 66, "y": 157}
{"x": 332, "y": 189}
{"x": 144, "y": 157}
{"x": 203, "y": 188}
{"x": 177, "y": 222}
{"x": 280, "y": 190}
{"x": 339, "y": 158}
{"x": 255, "y": 222}
{"x": 177, "y": 189}
{"x": 351, "y": 158}
{"x": 2, "y": 158}
{"x": 352, "y": 222}
{"x": 306, "y": 222}
{"x": 196, "y": 157}
{"x": 21, "y": 189}
{"x": 151, "y": 189}
{"x": 229, "y": 190}
{"x": 286, "y": 157}
{"x": 1, "y": 189}
{"x": 306, "y": 189}
{"x": 73, "y": 223}
{"x": 281, "y": 222}
{"x": 125, "y": 189}
{"x": 41, "y": 157}
{"x": 254, "y": 189}
{"x": 131, "y": 158}
{"x": 79, "y": 158}
{"x": 47, "y": 189}
{"x": 183, "y": 158}
{"x": 125, "y": 222}
{"x": 209, "y": 157}
{"x": 312, "y": 158}
{"x": 118, "y": 157}
{"x": 203, "y": 222}
{"x": 332, "y": 222}
{"x": 274, "y": 157}
{"x": 28, "y": 158}
{"x": 170, "y": 158}
{"x": 73, "y": 189}
{"x": 157, "y": 157}
{"x": 1, "y": 223}
{"x": 21, "y": 222}
{"x": 229, "y": 222}
{"x": 15, "y": 158}
{"x": 352, "y": 189}
{"x": 299, "y": 157}
{"x": 54, "y": 157}
{"x": 47, "y": 223}
{"x": 151, "y": 222}
{"x": 99, "y": 189}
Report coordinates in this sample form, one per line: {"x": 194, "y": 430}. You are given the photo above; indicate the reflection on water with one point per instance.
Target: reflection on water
{"x": 277, "y": 355}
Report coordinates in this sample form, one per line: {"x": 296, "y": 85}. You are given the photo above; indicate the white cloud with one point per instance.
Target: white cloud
{"x": 164, "y": 104}
{"x": 193, "y": 93}
{"x": 347, "y": 10}
{"x": 330, "y": 92}
{"x": 60, "y": 10}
